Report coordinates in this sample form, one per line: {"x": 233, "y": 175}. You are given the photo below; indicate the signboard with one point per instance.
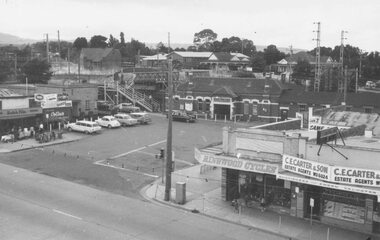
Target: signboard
{"x": 57, "y": 114}
{"x": 327, "y": 135}
{"x": 319, "y": 127}
{"x": 20, "y": 112}
{"x": 305, "y": 167}
{"x": 234, "y": 163}
{"x": 40, "y": 97}
{"x": 56, "y": 104}
{"x": 311, "y": 202}
{"x": 355, "y": 176}
{"x": 222, "y": 100}
{"x": 327, "y": 184}
{"x": 336, "y": 174}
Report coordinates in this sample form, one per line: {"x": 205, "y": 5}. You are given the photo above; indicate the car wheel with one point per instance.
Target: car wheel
{"x": 109, "y": 126}
{"x": 86, "y": 132}
{"x": 70, "y": 129}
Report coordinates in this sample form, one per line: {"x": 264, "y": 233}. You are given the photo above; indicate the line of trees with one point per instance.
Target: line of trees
{"x": 205, "y": 40}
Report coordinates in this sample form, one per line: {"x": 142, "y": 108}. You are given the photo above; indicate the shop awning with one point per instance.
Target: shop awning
{"x": 305, "y": 180}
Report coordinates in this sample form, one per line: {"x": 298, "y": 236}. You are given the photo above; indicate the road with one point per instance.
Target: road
{"x": 75, "y": 161}
{"x": 36, "y": 206}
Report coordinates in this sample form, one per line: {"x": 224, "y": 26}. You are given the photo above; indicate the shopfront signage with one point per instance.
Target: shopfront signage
{"x": 20, "y": 112}
{"x": 57, "y": 114}
{"x": 327, "y": 184}
{"x": 319, "y": 127}
{"x": 355, "y": 176}
{"x": 39, "y": 97}
{"x": 56, "y": 104}
{"x": 234, "y": 163}
{"x": 305, "y": 167}
{"x": 336, "y": 174}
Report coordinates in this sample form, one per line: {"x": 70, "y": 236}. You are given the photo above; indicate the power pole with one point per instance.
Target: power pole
{"x": 317, "y": 78}
{"x": 356, "y": 79}
{"x": 59, "y": 44}
{"x": 47, "y": 47}
{"x": 15, "y": 55}
{"x": 169, "y": 155}
{"x": 68, "y": 60}
{"x": 342, "y": 38}
{"x": 345, "y": 85}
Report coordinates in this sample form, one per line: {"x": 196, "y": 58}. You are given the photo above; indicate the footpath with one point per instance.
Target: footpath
{"x": 30, "y": 143}
{"x": 203, "y": 196}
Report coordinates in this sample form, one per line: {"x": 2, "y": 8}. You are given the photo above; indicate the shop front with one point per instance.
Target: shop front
{"x": 334, "y": 195}
{"x": 12, "y": 121}
{"x": 250, "y": 180}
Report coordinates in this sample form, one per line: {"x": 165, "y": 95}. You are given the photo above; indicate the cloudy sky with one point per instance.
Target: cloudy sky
{"x": 278, "y": 22}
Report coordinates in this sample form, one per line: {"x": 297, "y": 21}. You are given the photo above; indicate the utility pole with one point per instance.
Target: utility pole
{"x": 356, "y": 79}
{"x": 47, "y": 47}
{"x": 345, "y": 85}
{"x": 15, "y": 56}
{"x": 317, "y": 78}
{"x": 342, "y": 38}
{"x": 169, "y": 155}
{"x": 68, "y": 60}
{"x": 59, "y": 44}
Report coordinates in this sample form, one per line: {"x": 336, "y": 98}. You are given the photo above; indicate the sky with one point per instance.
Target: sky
{"x": 279, "y": 22}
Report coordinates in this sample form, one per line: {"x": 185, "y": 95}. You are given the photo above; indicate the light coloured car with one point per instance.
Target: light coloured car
{"x": 108, "y": 122}
{"x": 142, "y": 117}
{"x": 84, "y": 126}
{"x": 125, "y": 119}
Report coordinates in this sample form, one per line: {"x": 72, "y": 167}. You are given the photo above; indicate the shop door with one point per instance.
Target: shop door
{"x": 232, "y": 186}
{"x": 222, "y": 111}
{"x": 315, "y": 193}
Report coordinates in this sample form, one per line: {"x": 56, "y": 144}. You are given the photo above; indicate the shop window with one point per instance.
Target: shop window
{"x": 87, "y": 105}
{"x": 254, "y": 108}
{"x": 208, "y": 102}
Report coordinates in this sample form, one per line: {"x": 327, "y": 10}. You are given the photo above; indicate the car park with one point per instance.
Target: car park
{"x": 142, "y": 117}
{"x": 125, "y": 119}
{"x": 183, "y": 116}
{"x": 84, "y": 126}
{"x": 108, "y": 121}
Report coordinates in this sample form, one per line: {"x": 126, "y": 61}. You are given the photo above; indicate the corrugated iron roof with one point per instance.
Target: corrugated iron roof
{"x": 4, "y": 92}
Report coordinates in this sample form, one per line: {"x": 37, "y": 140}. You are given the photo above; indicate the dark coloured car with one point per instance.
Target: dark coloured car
{"x": 183, "y": 116}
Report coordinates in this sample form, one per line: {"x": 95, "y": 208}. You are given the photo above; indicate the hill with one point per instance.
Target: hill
{"x": 6, "y": 39}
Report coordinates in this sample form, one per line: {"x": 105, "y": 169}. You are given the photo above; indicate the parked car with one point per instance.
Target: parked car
{"x": 84, "y": 126}
{"x": 125, "y": 119}
{"x": 370, "y": 84}
{"x": 108, "y": 121}
{"x": 183, "y": 116}
{"x": 127, "y": 108}
{"x": 142, "y": 117}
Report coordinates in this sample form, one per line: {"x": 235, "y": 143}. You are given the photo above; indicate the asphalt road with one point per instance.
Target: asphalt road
{"x": 36, "y": 206}
{"x": 131, "y": 149}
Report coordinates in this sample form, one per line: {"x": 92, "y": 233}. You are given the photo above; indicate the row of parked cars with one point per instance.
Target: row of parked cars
{"x": 119, "y": 119}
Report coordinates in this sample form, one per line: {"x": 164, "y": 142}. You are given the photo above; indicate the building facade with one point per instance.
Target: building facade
{"x": 245, "y": 99}
{"x": 295, "y": 177}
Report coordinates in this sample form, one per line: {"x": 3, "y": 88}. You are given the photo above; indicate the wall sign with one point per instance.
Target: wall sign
{"x": 327, "y": 184}
{"x": 234, "y": 163}
{"x": 40, "y": 97}
{"x": 20, "y": 112}
{"x": 336, "y": 174}
{"x": 305, "y": 167}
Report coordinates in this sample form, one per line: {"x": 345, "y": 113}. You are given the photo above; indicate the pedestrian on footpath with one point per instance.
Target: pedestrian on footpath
{"x": 262, "y": 204}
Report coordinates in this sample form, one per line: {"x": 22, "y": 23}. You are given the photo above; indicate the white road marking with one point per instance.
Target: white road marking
{"x": 125, "y": 169}
{"x": 66, "y": 214}
{"x": 137, "y": 149}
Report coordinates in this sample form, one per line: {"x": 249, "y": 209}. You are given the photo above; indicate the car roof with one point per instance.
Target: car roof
{"x": 85, "y": 121}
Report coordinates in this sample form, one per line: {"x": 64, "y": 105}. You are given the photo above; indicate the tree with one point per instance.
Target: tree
{"x": 80, "y": 42}
{"x": 98, "y": 41}
{"x": 122, "y": 40}
{"x": 37, "y": 71}
{"x": 204, "y": 38}
{"x": 272, "y": 54}
{"x": 112, "y": 42}
{"x": 324, "y": 51}
{"x": 258, "y": 62}
{"x": 302, "y": 70}
{"x": 5, "y": 70}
